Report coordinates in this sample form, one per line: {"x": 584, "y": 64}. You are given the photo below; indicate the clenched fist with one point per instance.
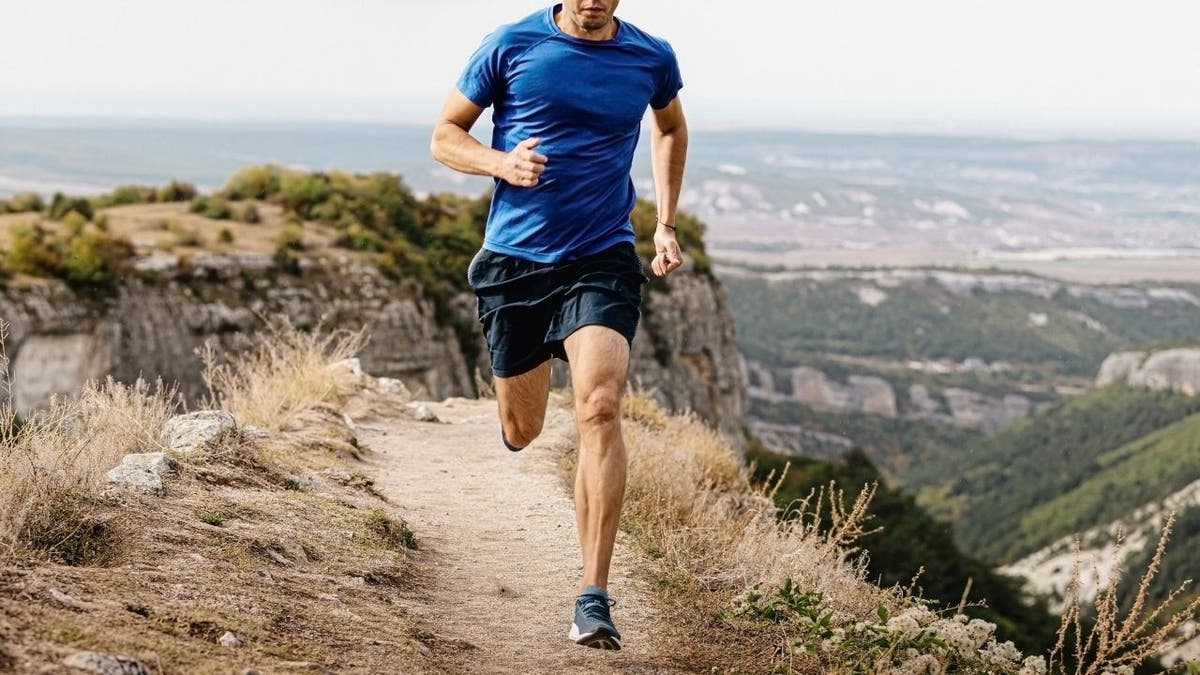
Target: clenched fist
{"x": 523, "y": 167}
{"x": 667, "y": 256}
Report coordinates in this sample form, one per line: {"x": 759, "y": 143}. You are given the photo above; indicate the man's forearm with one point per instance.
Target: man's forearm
{"x": 460, "y": 151}
{"x": 668, "y": 150}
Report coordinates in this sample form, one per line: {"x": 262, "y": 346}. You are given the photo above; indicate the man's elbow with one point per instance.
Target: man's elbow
{"x": 437, "y": 144}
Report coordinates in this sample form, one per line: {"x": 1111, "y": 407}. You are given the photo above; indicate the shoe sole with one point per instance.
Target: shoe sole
{"x": 600, "y": 639}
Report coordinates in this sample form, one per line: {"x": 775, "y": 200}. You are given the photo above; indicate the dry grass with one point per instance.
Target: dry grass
{"x": 284, "y": 376}
{"x": 712, "y": 536}
{"x": 1119, "y": 639}
{"x": 52, "y": 466}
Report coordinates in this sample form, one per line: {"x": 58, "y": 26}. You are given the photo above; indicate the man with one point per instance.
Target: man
{"x": 558, "y": 275}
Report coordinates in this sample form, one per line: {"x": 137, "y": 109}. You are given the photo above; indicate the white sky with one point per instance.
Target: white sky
{"x": 1073, "y": 67}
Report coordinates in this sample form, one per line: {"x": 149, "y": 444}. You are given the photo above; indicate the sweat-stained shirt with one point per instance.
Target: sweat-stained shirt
{"x": 584, "y": 100}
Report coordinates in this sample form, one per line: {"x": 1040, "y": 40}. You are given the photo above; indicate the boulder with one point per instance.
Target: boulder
{"x": 143, "y": 472}
{"x": 198, "y": 431}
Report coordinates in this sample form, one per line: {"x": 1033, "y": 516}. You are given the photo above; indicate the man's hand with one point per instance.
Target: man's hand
{"x": 667, "y": 257}
{"x": 522, "y": 167}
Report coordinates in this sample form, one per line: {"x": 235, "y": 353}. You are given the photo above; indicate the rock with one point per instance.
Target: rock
{"x": 348, "y": 370}
{"x": 421, "y": 412}
{"x": 198, "y": 431}
{"x": 393, "y": 387}
{"x": 229, "y": 640}
{"x": 62, "y": 598}
{"x": 249, "y": 431}
{"x": 143, "y": 472}
{"x": 1170, "y": 370}
{"x": 338, "y": 475}
{"x": 103, "y": 664}
{"x": 872, "y": 395}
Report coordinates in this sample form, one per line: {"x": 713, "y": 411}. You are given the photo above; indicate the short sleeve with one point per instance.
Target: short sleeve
{"x": 669, "y": 82}
{"x": 482, "y": 79}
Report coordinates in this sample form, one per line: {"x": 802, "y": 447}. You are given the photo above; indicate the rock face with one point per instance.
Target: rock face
{"x": 872, "y": 395}
{"x": 1173, "y": 369}
{"x": 103, "y": 664}
{"x": 59, "y": 338}
{"x": 684, "y": 353}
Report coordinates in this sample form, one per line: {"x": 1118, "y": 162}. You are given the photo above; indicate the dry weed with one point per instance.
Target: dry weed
{"x": 53, "y": 464}
{"x": 286, "y": 374}
{"x": 1116, "y": 643}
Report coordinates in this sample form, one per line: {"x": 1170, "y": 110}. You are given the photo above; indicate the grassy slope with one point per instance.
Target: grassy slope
{"x": 1042, "y": 477}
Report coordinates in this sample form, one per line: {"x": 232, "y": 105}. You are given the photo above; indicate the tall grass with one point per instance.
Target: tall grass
{"x": 52, "y": 465}
{"x": 752, "y": 588}
{"x": 284, "y": 375}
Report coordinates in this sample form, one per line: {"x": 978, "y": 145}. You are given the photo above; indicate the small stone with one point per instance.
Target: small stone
{"x": 393, "y": 386}
{"x": 143, "y": 472}
{"x": 229, "y": 640}
{"x": 61, "y": 597}
{"x": 421, "y": 412}
{"x": 338, "y": 475}
{"x": 198, "y": 431}
{"x": 255, "y": 433}
{"x": 104, "y": 664}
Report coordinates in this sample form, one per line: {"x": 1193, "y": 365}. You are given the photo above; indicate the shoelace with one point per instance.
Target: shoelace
{"x": 596, "y": 608}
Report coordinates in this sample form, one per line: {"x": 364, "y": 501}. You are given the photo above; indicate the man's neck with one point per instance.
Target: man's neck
{"x": 569, "y": 27}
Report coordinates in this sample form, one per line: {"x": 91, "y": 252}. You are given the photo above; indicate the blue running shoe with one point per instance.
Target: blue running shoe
{"x": 593, "y": 625}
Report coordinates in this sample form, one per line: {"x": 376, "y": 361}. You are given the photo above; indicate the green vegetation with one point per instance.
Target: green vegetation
{"x": 908, "y": 542}
{"x": 779, "y": 323}
{"x": 214, "y": 518}
{"x": 25, "y": 202}
{"x": 1088, "y": 459}
{"x": 394, "y": 533}
{"x": 211, "y": 207}
{"x": 61, "y": 205}
{"x": 84, "y": 256}
{"x": 894, "y": 444}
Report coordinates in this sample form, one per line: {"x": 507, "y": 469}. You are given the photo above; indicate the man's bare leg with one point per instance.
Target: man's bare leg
{"x": 599, "y": 359}
{"x": 522, "y": 401}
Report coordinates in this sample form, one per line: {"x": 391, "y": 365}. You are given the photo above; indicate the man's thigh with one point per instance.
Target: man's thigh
{"x": 599, "y": 358}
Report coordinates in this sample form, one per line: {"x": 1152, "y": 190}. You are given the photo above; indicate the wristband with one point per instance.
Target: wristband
{"x": 669, "y": 227}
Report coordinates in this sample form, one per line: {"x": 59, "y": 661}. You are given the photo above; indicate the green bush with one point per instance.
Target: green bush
{"x": 127, "y": 194}
{"x": 25, "y": 202}
{"x": 177, "y": 192}
{"x": 225, "y": 236}
{"x": 250, "y": 215}
{"x": 86, "y": 256}
{"x": 253, "y": 182}
{"x": 290, "y": 238}
{"x": 61, "y": 205}
{"x": 216, "y": 208}
{"x": 184, "y": 236}
{"x": 358, "y": 238}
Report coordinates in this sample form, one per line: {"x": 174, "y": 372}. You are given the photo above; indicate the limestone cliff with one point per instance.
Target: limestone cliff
{"x": 1172, "y": 369}
{"x": 151, "y": 326}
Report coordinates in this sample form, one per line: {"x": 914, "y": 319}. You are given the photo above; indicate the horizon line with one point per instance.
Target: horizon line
{"x": 897, "y": 129}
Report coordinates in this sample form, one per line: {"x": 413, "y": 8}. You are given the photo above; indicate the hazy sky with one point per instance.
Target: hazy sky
{"x": 1077, "y": 67}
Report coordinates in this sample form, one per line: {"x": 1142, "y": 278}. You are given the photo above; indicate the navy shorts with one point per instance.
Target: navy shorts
{"x": 528, "y": 308}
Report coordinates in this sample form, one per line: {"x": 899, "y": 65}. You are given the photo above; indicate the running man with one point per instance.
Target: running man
{"x": 558, "y": 275}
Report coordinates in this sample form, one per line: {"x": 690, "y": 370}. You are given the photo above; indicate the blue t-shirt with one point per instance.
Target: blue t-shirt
{"x": 585, "y": 100}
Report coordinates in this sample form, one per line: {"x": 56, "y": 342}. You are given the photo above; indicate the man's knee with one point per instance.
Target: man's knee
{"x": 522, "y": 431}
{"x": 600, "y": 407}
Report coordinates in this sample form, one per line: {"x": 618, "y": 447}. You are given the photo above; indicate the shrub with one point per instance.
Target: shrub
{"x": 291, "y": 238}
{"x": 225, "y": 236}
{"x": 184, "y": 236}
{"x": 33, "y": 252}
{"x": 177, "y": 192}
{"x": 394, "y": 533}
{"x": 250, "y": 215}
{"x": 25, "y": 202}
{"x": 300, "y": 192}
{"x": 358, "y": 238}
{"x": 253, "y": 182}
{"x": 127, "y": 194}
{"x": 216, "y": 208}
{"x": 87, "y": 256}
{"x": 61, "y": 205}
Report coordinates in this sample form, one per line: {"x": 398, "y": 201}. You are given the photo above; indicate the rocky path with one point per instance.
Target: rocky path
{"x": 498, "y": 539}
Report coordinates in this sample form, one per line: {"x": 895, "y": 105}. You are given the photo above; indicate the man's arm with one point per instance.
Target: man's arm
{"x": 668, "y": 152}
{"x": 454, "y": 146}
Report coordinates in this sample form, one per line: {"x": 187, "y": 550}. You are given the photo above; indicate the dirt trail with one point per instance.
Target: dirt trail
{"x": 497, "y": 534}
